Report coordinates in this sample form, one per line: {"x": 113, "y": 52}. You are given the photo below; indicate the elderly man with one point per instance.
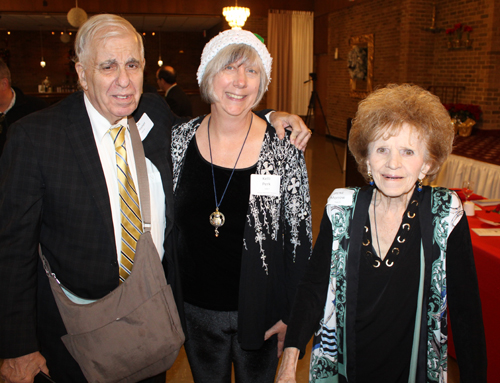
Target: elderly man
{"x": 59, "y": 189}
{"x": 14, "y": 104}
{"x": 177, "y": 100}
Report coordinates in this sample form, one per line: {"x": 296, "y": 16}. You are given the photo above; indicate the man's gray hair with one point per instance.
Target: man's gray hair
{"x": 102, "y": 27}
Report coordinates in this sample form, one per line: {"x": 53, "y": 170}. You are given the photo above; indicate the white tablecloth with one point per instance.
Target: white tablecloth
{"x": 457, "y": 169}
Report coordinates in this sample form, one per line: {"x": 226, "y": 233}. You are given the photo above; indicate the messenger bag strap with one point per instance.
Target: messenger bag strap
{"x": 142, "y": 174}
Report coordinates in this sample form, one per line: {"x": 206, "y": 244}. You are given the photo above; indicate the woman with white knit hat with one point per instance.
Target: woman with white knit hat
{"x": 243, "y": 213}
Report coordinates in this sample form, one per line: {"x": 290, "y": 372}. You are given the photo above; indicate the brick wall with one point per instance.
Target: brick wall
{"x": 406, "y": 52}
{"x": 476, "y": 69}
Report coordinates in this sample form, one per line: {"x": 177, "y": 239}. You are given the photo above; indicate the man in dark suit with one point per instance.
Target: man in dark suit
{"x": 178, "y": 101}
{"x": 59, "y": 189}
{"x": 14, "y": 104}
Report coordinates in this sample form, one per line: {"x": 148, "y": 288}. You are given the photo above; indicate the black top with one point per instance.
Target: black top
{"x": 210, "y": 266}
{"x": 276, "y": 236}
{"x": 387, "y": 302}
{"x": 462, "y": 294}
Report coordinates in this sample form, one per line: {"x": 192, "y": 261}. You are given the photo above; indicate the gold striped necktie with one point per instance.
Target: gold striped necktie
{"x": 130, "y": 212}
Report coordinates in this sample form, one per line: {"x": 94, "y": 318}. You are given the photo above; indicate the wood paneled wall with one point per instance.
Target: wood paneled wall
{"x": 258, "y": 8}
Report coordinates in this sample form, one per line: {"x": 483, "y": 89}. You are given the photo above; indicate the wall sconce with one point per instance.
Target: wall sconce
{"x": 433, "y": 28}
{"x": 336, "y": 54}
{"x": 236, "y": 16}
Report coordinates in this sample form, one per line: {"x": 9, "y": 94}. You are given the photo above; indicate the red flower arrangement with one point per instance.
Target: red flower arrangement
{"x": 468, "y": 30}
{"x": 463, "y": 111}
{"x": 458, "y": 30}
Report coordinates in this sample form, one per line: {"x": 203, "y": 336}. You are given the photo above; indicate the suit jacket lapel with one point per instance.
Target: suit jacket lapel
{"x": 81, "y": 139}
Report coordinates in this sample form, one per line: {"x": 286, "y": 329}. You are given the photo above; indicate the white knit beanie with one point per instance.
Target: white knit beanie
{"x": 234, "y": 36}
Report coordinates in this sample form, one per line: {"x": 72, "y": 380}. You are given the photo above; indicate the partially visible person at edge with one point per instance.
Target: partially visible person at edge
{"x": 14, "y": 104}
{"x": 59, "y": 189}
{"x": 176, "y": 98}
{"x": 243, "y": 212}
{"x": 391, "y": 258}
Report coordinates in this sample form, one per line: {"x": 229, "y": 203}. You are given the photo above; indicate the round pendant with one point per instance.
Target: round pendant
{"x": 217, "y": 219}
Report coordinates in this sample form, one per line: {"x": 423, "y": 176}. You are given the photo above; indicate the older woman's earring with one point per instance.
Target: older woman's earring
{"x": 419, "y": 187}
{"x": 370, "y": 179}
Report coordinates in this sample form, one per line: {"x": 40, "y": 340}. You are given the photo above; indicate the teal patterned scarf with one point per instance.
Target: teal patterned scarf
{"x": 328, "y": 356}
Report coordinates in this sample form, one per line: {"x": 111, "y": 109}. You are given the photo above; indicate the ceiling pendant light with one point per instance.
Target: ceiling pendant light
{"x": 160, "y": 61}
{"x": 77, "y": 16}
{"x": 65, "y": 37}
{"x": 236, "y": 16}
{"x": 42, "y": 62}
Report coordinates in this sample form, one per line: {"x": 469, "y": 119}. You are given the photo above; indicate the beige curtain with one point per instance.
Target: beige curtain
{"x": 290, "y": 35}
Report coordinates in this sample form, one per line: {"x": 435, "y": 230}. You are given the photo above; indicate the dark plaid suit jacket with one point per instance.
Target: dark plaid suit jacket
{"x": 53, "y": 192}
{"x": 179, "y": 102}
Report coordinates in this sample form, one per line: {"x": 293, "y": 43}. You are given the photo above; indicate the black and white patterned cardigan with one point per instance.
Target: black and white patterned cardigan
{"x": 277, "y": 240}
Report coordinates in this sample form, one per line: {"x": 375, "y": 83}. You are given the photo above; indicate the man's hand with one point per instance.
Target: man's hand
{"x": 300, "y": 132}
{"x": 23, "y": 369}
{"x": 280, "y": 329}
{"x": 288, "y": 368}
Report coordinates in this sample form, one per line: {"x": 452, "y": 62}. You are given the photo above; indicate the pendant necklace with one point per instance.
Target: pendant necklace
{"x": 217, "y": 219}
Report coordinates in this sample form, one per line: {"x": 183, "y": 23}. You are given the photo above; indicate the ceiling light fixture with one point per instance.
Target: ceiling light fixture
{"x": 236, "y": 16}
{"x": 42, "y": 62}
{"x": 160, "y": 61}
{"x": 65, "y": 37}
{"x": 77, "y": 16}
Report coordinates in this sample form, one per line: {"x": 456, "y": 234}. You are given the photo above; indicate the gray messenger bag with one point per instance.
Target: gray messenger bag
{"x": 134, "y": 332}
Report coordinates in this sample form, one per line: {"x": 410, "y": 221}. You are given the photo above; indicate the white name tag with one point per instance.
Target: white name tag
{"x": 341, "y": 197}
{"x": 265, "y": 184}
{"x": 144, "y": 125}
